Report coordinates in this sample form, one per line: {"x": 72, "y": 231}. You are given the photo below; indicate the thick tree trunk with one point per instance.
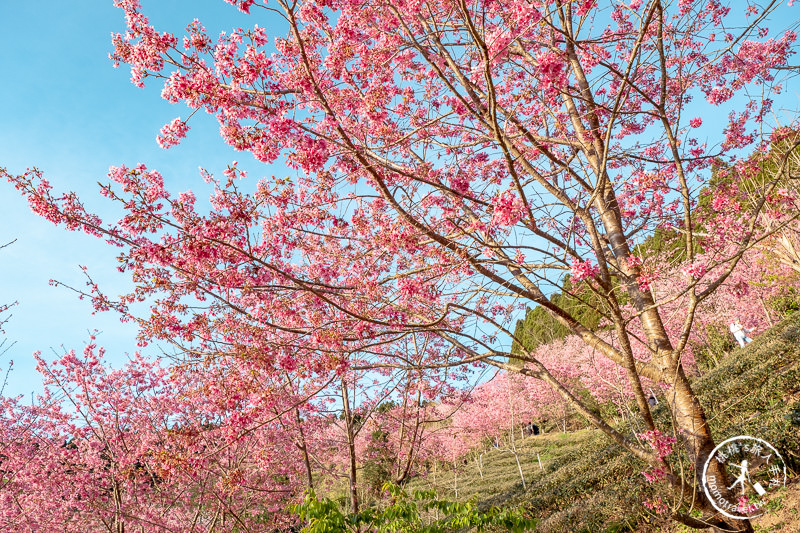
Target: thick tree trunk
{"x": 688, "y": 414}
{"x": 690, "y": 418}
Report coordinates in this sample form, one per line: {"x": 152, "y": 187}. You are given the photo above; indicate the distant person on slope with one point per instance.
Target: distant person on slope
{"x": 740, "y": 333}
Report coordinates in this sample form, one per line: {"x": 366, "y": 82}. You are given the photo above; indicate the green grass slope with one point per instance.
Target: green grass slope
{"x": 588, "y": 484}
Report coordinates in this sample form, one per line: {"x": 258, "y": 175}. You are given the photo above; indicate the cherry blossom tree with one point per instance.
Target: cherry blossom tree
{"x": 450, "y": 163}
{"x": 382, "y": 432}
{"x": 139, "y": 449}
{"x": 771, "y": 269}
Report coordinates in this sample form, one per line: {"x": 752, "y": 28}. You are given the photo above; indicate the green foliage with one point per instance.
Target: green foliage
{"x": 717, "y": 342}
{"x": 786, "y": 303}
{"x": 385, "y": 407}
{"x": 794, "y": 415}
{"x": 540, "y": 327}
{"x": 378, "y": 468}
{"x": 667, "y": 244}
{"x": 380, "y": 463}
{"x": 588, "y": 484}
{"x": 407, "y": 513}
{"x": 592, "y": 404}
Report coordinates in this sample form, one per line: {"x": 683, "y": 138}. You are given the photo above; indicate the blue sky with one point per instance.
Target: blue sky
{"x": 67, "y": 111}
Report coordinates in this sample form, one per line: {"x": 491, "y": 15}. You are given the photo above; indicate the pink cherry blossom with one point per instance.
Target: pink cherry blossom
{"x": 582, "y": 270}
{"x": 172, "y": 133}
{"x": 420, "y": 171}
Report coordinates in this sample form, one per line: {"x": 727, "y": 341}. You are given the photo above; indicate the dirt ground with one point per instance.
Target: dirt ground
{"x": 782, "y": 513}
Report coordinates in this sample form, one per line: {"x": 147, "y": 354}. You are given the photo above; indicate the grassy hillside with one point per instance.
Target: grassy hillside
{"x": 586, "y": 483}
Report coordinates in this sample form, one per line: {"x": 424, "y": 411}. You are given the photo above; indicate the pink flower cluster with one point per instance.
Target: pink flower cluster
{"x": 725, "y": 203}
{"x": 310, "y": 155}
{"x": 582, "y": 270}
{"x": 172, "y": 133}
{"x": 633, "y": 261}
{"x": 647, "y": 278}
{"x": 243, "y": 5}
{"x": 498, "y": 41}
{"x": 508, "y": 209}
{"x": 551, "y": 71}
{"x": 657, "y": 506}
{"x": 661, "y": 444}
{"x": 655, "y": 475}
{"x": 744, "y": 506}
{"x": 695, "y": 270}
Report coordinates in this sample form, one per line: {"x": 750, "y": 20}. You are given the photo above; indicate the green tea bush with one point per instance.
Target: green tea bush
{"x": 417, "y": 512}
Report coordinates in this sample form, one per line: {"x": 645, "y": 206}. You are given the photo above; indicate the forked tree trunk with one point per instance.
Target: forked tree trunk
{"x": 689, "y": 416}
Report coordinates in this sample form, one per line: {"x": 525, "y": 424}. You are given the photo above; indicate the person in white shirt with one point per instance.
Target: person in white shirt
{"x": 740, "y": 333}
